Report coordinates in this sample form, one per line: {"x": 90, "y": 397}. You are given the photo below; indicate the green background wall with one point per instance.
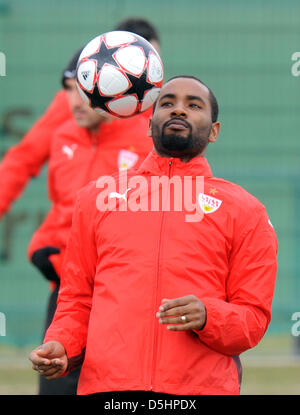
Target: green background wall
{"x": 241, "y": 49}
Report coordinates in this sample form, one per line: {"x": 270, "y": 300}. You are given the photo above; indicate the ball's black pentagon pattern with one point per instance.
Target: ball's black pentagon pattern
{"x": 139, "y": 84}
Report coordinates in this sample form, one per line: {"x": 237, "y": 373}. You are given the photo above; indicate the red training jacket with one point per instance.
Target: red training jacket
{"x": 77, "y": 157}
{"x": 25, "y": 159}
{"x": 121, "y": 263}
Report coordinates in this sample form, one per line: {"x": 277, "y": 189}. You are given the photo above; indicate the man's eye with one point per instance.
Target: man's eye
{"x": 166, "y": 104}
{"x": 196, "y": 106}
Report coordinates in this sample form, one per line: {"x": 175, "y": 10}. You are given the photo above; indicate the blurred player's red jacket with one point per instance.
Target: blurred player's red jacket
{"x": 120, "y": 264}
{"x": 77, "y": 157}
{"x": 25, "y": 159}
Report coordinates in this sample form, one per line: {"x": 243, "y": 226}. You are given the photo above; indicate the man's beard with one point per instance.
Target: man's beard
{"x": 176, "y": 145}
{"x": 175, "y": 142}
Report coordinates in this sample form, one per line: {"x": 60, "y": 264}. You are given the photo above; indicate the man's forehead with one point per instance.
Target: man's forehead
{"x": 184, "y": 86}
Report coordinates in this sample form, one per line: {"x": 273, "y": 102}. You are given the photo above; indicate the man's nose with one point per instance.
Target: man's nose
{"x": 178, "y": 110}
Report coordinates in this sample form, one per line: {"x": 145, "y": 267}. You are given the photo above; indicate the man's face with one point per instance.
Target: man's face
{"x": 181, "y": 125}
{"x": 83, "y": 114}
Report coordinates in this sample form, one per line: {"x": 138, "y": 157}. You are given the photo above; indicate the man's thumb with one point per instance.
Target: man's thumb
{"x": 46, "y": 349}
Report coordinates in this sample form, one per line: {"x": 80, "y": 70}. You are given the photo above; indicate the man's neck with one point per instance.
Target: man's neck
{"x": 95, "y": 129}
{"x": 184, "y": 158}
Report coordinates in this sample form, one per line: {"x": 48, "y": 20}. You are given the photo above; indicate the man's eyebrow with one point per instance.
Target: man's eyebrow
{"x": 167, "y": 96}
{"x": 189, "y": 97}
{"x": 195, "y": 97}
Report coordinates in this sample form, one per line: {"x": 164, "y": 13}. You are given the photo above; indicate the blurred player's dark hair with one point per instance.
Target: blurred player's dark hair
{"x": 140, "y": 26}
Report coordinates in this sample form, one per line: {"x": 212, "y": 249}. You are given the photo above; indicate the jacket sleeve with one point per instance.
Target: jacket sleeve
{"x": 71, "y": 318}
{"x": 25, "y": 159}
{"x": 239, "y": 322}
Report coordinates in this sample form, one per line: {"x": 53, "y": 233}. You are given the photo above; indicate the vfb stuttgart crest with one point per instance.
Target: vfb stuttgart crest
{"x": 127, "y": 159}
{"x": 208, "y": 204}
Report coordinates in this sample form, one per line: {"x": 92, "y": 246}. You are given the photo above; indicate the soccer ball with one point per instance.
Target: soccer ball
{"x": 120, "y": 73}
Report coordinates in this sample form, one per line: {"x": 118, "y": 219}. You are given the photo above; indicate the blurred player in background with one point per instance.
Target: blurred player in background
{"x": 82, "y": 149}
{"x": 80, "y": 145}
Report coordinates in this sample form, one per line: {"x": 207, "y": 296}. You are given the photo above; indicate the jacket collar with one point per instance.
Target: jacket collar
{"x": 157, "y": 165}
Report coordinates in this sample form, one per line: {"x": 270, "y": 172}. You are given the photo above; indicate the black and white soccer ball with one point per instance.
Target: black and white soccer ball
{"x": 120, "y": 73}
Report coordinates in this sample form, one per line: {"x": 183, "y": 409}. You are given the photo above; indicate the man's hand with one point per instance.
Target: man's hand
{"x": 187, "y": 313}
{"x": 49, "y": 359}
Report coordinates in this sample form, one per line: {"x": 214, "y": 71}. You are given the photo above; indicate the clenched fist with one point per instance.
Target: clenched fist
{"x": 49, "y": 359}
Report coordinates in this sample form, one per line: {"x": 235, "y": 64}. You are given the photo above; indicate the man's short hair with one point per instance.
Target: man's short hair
{"x": 140, "y": 26}
{"x": 212, "y": 99}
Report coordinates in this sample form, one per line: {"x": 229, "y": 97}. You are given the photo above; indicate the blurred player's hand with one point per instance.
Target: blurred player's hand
{"x": 40, "y": 259}
{"x": 49, "y": 359}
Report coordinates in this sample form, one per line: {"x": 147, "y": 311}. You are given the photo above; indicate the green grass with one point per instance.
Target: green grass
{"x": 16, "y": 374}
{"x": 22, "y": 381}
{"x": 256, "y": 381}
{"x": 283, "y": 380}
{"x": 268, "y": 369}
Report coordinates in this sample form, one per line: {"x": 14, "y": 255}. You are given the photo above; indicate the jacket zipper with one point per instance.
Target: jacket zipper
{"x": 155, "y": 336}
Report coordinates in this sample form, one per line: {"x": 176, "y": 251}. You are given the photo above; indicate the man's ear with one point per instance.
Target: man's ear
{"x": 150, "y": 127}
{"x": 215, "y": 129}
